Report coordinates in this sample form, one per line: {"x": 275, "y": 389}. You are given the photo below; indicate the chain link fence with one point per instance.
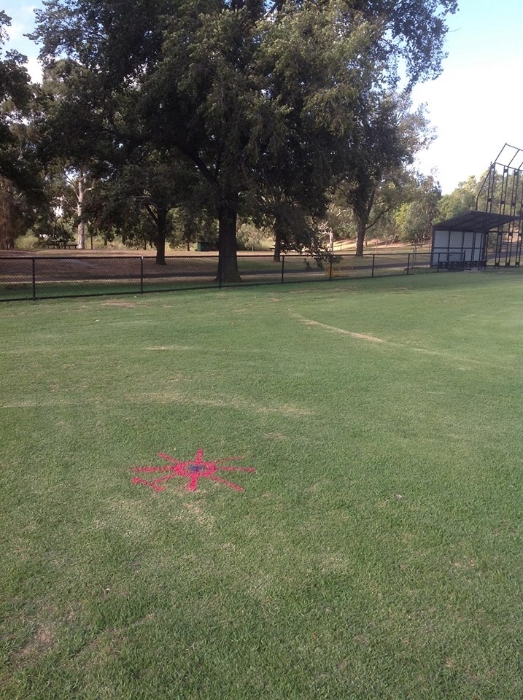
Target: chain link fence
{"x": 25, "y": 277}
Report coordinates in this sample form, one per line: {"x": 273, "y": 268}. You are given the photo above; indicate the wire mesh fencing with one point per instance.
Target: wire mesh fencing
{"x": 26, "y": 277}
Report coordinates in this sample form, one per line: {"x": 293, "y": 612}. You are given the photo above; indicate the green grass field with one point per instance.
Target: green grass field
{"x": 376, "y": 551}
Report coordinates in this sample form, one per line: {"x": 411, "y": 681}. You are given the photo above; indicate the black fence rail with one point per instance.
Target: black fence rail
{"x": 47, "y": 276}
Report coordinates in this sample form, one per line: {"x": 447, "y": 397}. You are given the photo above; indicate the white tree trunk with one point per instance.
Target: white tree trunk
{"x": 80, "y": 238}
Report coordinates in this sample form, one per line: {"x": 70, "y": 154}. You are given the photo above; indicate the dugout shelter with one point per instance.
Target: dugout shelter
{"x": 462, "y": 242}
{"x": 493, "y": 232}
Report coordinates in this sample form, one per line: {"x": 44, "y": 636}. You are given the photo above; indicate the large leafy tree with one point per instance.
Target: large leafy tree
{"x": 15, "y": 98}
{"x": 460, "y": 200}
{"x": 74, "y": 139}
{"x": 239, "y": 88}
{"x": 374, "y": 158}
{"x": 20, "y": 185}
{"x": 145, "y": 182}
{"x": 413, "y": 34}
{"x": 244, "y": 100}
{"x": 416, "y": 218}
{"x": 93, "y": 139}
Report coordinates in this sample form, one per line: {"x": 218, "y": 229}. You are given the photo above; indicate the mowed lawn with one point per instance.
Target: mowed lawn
{"x": 376, "y": 550}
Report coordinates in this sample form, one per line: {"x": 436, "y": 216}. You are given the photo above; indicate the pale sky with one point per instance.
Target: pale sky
{"x": 475, "y": 105}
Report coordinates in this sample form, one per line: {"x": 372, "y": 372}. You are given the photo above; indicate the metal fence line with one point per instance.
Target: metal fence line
{"x": 27, "y": 277}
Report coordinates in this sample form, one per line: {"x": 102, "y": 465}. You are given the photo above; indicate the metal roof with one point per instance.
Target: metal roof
{"x": 475, "y": 221}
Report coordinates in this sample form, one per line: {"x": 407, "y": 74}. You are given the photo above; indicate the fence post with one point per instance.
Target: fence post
{"x": 373, "y": 260}
{"x": 141, "y": 274}
{"x": 408, "y": 263}
{"x": 34, "y": 278}
{"x": 330, "y": 266}
{"x": 282, "y": 267}
{"x": 219, "y": 272}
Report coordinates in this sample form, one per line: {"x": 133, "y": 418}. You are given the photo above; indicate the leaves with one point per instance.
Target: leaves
{"x": 261, "y": 105}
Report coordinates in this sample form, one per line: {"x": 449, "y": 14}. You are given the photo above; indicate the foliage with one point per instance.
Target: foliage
{"x": 413, "y": 34}
{"x": 415, "y": 218}
{"x": 15, "y": 98}
{"x": 148, "y": 182}
{"x": 74, "y": 143}
{"x": 20, "y": 185}
{"x": 375, "y": 159}
{"x": 251, "y": 237}
{"x": 462, "y": 199}
{"x": 253, "y": 98}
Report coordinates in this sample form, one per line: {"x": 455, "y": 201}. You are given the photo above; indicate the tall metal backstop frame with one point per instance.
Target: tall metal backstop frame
{"x": 502, "y": 193}
{"x": 493, "y": 233}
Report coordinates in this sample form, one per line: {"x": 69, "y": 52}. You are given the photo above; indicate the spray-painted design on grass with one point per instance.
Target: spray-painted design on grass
{"x": 193, "y": 470}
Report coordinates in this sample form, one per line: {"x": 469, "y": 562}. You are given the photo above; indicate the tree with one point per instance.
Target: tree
{"x": 147, "y": 181}
{"x": 230, "y": 84}
{"x": 419, "y": 215}
{"x": 245, "y": 95}
{"x": 15, "y": 97}
{"x": 74, "y": 140}
{"x": 462, "y": 199}
{"x": 20, "y": 184}
{"x": 413, "y": 34}
{"x": 382, "y": 145}
{"x": 9, "y": 214}
{"x": 389, "y": 197}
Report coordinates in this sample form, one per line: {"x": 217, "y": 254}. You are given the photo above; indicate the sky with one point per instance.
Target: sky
{"x": 475, "y": 105}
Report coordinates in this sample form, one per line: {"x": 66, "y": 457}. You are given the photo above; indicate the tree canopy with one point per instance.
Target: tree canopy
{"x": 255, "y": 100}
{"x": 15, "y": 102}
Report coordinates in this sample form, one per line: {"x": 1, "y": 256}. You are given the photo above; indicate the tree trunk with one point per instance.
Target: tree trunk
{"x": 277, "y": 244}
{"x": 360, "y": 241}
{"x": 8, "y": 216}
{"x": 228, "y": 260}
{"x": 161, "y": 230}
{"x": 80, "y": 235}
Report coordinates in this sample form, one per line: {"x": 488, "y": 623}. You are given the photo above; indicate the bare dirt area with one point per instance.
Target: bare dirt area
{"x": 347, "y": 246}
{"x": 75, "y": 253}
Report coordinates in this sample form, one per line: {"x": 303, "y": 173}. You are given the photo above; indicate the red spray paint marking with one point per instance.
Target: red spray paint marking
{"x": 193, "y": 470}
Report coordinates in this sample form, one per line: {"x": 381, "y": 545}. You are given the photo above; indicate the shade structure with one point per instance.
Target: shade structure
{"x": 461, "y": 242}
{"x": 475, "y": 222}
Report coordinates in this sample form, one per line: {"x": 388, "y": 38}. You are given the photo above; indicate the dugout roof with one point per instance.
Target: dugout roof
{"x": 475, "y": 221}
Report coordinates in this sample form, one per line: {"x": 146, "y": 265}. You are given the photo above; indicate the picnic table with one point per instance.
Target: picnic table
{"x": 59, "y": 243}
